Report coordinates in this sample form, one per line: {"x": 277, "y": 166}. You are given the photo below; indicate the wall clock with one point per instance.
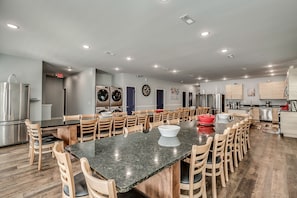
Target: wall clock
{"x": 146, "y": 90}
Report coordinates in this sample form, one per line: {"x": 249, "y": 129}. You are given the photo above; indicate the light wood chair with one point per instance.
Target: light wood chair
{"x": 176, "y": 114}
{"x": 104, "y": 188}
{"x": 131, "y": 120}
{"x": 104, "y": 127}
{"x": 118, "y": 125}
{"x": 157, "y": 117}
{"x": 255, "y": 113}
{"x": 155, "y": 124}
{"x": 229, "y": 148}
{"x": 88, "y": 130}
{"x": 89, "y": 116}
{"x": 71, "y": 117}
{"x": 237, "y": 144}
{"x": 275, "y": 118}
{"x": 142, "y": 119}
{"x": 27, "y": 123}
{"x": 174, "y": 121}
{"x": 164, "y": 116}
{"x": 133, "y": 129}
{"x": 186, "y": 113}
{"x": 215, "y": 165}
{"x": 72, "y": 185}
{"x": 170, "y": 115}
{"x": 38, "y": 144}
{"x": 192, "y": 182}
{"x": 119, "y": 114}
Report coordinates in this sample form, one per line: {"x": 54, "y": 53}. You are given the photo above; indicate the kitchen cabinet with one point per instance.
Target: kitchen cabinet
{"x": 234, "y": 91}
{"x": 292, "y": 84}
{"x": 272, "y": 90}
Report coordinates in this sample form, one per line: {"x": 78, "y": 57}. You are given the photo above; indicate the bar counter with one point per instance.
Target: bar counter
{"x": 131, "y": 160}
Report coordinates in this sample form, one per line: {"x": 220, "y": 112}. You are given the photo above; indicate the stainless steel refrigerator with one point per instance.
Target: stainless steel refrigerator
{"x": 216, "y": 102}
{"x": 14, "y": 109}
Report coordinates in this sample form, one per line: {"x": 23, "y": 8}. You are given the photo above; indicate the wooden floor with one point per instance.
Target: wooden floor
{"x": 268, "y": 170}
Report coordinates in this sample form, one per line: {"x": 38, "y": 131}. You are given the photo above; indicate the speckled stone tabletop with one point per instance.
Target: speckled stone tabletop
{"x": 55, "y": 123}
{"x": 132, "y": 159}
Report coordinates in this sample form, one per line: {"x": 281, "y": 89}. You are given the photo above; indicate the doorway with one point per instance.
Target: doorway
{"x": 130, "y": 102}
{"x": 160, "y": 99}
{"x": 190, "y": 99}
{"x": 184, "y": 98}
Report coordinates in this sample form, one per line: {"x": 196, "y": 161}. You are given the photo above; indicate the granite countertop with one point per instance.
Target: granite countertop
{"x": 55, "y": 123}
{"x": 132, "y": 159}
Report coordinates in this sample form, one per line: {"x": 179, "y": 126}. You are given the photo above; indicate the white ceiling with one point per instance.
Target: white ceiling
{"x": 257, "y": 32}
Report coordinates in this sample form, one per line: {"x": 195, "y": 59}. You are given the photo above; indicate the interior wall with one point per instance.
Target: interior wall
{"x": 27, "y": 71}
{"x": 80, "y": 92}
{"x": 103, "y": 78}
{"x": 54, "y": 94}
{"x": 172, "y": 91}
{"x": 219, "y": 87}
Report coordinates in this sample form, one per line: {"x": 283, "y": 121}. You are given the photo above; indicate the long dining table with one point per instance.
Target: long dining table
{"x": 147, "y": 161}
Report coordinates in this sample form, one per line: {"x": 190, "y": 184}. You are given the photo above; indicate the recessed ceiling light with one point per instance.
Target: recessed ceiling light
{"x": 128, "y": 58}
{"x": 205, "y": 34}
{"x": 230, "y": 56}
{"x": 164, "y": 1}
{"x": 12, "y": 26}
{"x": 156, "y": 66}
{"x": 86, "y": 46}
{"x": 224, "y": 78}
{"x": 174, "y": 71}
{"x": 246, "y": 76}
{"x": 199, "y": 78}
{"x": 272, "y": 74}
{"x": 269, "y": 66}
{"x": 244, "y": 68}
{"x": 271, "y": 70}
{"x": 206, "y": 80}
{"x": 188, "y": 20}
{"x": 224, "y": 50}
{"x": 69, "y": 69}
{"x": 117, "y": 69}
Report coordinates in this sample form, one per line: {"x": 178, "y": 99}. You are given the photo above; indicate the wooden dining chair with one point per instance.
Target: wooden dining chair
{"x": 131, "y": 120}
{"x": 119, "y": 114}
{"x": 157, "y": 117}
{"x": 215, "y": 165}
{"x": 88, "y": 130}
{"x": 192, "y": 179}
{"x": 72, "y": 185}
{"x": 104, "y": 127}
{"x": 186, "y": 113}
{"x": 118, "y": 125}
{"x": 155, "y": 124}
{"x": 71, "y": 117}
{"x": 237, "y": 139}
{"x": 27, "y": 123}
{"x": 39, "y": 145}
{"x": 142, "y": 119}
{"x": 228, "y": 156}
{"x": 133, "y": 129}
{"x": 98, "y": 187}
{"x": 170, "y": 115}
{"x": 174, "y": 121}
{"x": 89, "y": 116}
{"x": 164, "y": 116}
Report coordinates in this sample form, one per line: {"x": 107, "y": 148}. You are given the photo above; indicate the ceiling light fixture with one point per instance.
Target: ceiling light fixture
{"x": 271, "y": 70}
{"x": 269, "y": 66}
{"x": 244, "y": 68}
{"x": 272, "y": 74}
{"x": 12, "y": 26}
{"x": 69, "y": 69}
{"x": 174, "y": 71}
{"x": 128, "y": 58}
{"x": 156, "y": 66}
{"x": 224, "y": 78}
{"x": 206, "y": 80}
{"x": 246, "y": 76}
{"x": 224, "y": 50}
{"x": 86, "y": 46}
{"x": 188, "y": 20}
{"x": 199, "y": 78}
{"x": 205, "y": 34}
{"x": 117, "y": 69}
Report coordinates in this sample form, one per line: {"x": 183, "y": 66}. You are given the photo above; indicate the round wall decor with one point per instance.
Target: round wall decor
{"x": 146, "y": 90}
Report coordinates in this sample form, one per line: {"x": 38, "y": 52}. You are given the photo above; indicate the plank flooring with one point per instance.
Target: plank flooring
{"x": 268, "y": 170}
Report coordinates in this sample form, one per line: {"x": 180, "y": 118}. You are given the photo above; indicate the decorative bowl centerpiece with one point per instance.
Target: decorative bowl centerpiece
{"x": 169, "y": 130}
{"x": 168, "y": 141}
{"x": 206, "y": 118}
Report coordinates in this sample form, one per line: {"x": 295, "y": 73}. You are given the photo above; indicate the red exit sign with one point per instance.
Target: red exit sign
{"x": 59, "y": 75}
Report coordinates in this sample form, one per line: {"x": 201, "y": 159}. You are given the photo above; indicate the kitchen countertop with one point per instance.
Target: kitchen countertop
{"x": 132, "y": 159}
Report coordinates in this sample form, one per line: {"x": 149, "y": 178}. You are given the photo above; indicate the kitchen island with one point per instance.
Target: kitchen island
{"x": 146, "y": 161}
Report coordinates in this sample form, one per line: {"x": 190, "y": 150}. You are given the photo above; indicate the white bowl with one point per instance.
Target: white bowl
{"x": 169, "y": 130}
{"x": 168, "y": 141}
